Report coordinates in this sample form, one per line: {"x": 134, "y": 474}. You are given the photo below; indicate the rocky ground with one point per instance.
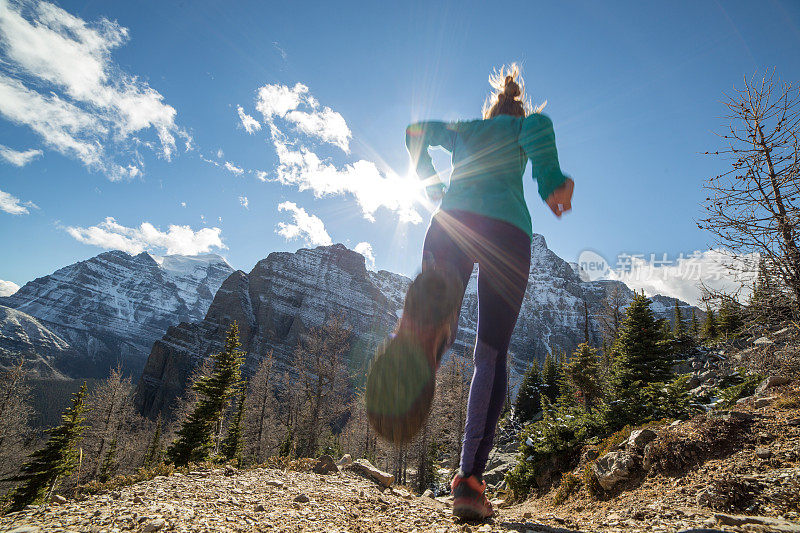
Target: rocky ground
{"x": 765, "y": 466}
{"x": 729, "y": 470}
{"x": 756, "y": 473}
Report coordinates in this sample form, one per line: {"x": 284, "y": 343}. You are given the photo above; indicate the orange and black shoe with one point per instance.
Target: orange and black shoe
{"x": 402, "y": 375}
{"x": 469, "y": 498}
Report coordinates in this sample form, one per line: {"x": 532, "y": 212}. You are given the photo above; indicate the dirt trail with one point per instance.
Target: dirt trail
{"x": 274, "y": 500}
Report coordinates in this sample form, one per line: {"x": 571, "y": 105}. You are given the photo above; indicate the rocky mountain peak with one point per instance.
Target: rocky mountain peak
{"x": 287, "y": 293}
{"x": 110, "y": 308}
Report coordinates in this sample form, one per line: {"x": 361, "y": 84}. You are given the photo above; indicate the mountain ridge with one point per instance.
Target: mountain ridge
{"x": 287, "y": 293}
{"x": 111, "y": 307}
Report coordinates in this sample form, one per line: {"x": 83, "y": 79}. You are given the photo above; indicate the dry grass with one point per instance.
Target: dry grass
{"x": 569, "y": 484}
{"x": 678, "y": 449}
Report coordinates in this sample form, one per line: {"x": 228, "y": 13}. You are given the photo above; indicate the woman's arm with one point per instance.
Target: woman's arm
{"x": 539, "y": 142}
{"x": 421, "y": 136}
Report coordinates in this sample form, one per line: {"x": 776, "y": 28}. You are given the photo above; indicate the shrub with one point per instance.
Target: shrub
{"x": 746, "y": 387}
{"x": 791, "y": 401}
{"x": 303, "y": 464}
{"x": 550, "y": 445}
{"x": 569, "y": 484}
{"x": 142, "y": 474}
{"x": 676, "y": 450}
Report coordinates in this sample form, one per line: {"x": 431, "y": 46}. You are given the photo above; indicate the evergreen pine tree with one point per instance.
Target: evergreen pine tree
{"x": 196, "y": 438}
{"x": 583, "y": 373}
{"x": 710, "y": 325}
{"x": 231, "y": 446}
{"x": 640, "y": 360}
{"x": 585, "y": 322}
{"x": 55, "y": 460}
{"x": 695, "y": 325}
{"x": 109, "y": 465}
{"x": 763, "y": 300}
{"x": 154, "y": 449}
{"x": 664, "y": 329}
{"x": 567, "y": 394}
{"x": 550, "y": 376}
{"x": 729, "y": 322}
{"x": 528, "y": 401}
{"x": 678, "y": 327}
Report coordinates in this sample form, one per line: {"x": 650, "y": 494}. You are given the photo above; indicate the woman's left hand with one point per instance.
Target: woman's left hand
{"x": 560, "y": 200}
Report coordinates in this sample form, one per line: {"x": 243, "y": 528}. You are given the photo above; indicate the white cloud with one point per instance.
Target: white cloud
{"x": 365, "y": 249}
{"x": 63, "y": 126}
{"x": 183, "y": 204}
{"x": 14, "y": 206}
{"x": 233, "y": 168}
{"x": 277, "y": 100}
{"x": 249, "y": 123}
{"x": 220, "y": 153}
{"x": 372, "y": 188}
{"x": 326, "y": 124}
{"x": 304, "y": 226}
{"x": 682, "y": 277}
{"x": 303, "y": 168}
{"x": 244, "y": 201}
{"x": 60, "y": 81}
{"x": 176, "y": 240}
{"x": 19, "y": 159}
{"x": 7, "y": 288}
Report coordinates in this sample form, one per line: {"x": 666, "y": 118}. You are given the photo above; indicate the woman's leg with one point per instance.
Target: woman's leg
{"x": 503, "y": 277}
{"x": 440, "y": 251}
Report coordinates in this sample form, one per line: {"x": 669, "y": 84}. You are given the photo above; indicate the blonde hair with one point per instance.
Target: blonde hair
{"x": 508, "y": 94}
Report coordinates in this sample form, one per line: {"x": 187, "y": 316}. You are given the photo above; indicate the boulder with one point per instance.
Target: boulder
{"x": 614, "y": 468}
{"x": 763, "y": 402}
{"x": 772, "y": 381}
{"x": 708, "y": 374}
{"x": 346, "y": 460}
{"x": 154, "y": 525}
{"x": 772, "y": 524}
{"x": 763, "y": 453}
{"x": 763, "y": 341}
{"x": 367, "y": 469}
{"x": 640, "y": 438}
{"x": 325, "y": 465}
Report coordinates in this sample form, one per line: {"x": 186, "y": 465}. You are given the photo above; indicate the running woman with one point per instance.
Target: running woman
{"x": 483, "y": 219}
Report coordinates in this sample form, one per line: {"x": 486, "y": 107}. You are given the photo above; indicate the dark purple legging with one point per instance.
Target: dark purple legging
{"x": 456, "y": 240}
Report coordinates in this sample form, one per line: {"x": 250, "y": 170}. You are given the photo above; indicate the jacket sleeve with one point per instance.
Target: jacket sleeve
{"x": 539, "y": 143}
{"x": 421, "y": 136}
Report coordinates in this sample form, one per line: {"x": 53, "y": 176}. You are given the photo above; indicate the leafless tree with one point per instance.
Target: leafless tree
{"x": 612, "y": 312}
{"x": 15, "y": 413}
{"x": 450, "y": 406}
{"x": 322, "y": 382}
{"x": 110, "y": 418}
{"x": 261, "y": 435}
{"x": 752, "y": 208}
{"x": 358, "y": 439}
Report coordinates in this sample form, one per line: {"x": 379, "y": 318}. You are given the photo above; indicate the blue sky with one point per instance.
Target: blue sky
{"x": 130, "y": 111}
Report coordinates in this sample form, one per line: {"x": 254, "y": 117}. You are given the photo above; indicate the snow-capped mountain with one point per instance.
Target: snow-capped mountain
{"x": 285, "y": 294}
{"x": 108, "y": 309}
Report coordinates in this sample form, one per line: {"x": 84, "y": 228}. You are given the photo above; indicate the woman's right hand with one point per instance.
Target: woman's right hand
{"x": 560, "y": 200}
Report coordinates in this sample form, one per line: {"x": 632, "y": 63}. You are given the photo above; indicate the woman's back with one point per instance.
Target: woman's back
{"x": 489, "y": 158}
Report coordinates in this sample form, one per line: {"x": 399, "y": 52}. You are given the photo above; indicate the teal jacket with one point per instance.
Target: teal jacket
{"x": 489, "y": 158}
